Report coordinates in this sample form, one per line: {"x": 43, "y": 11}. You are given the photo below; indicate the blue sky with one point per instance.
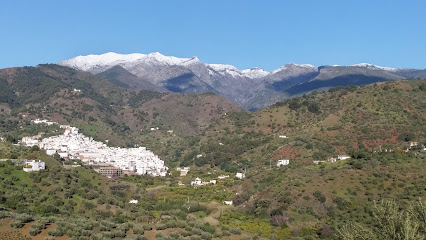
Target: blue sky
{"x": 246, "y": 34}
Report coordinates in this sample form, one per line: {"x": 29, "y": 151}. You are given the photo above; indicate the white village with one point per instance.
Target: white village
{"x": 112, "y": 161}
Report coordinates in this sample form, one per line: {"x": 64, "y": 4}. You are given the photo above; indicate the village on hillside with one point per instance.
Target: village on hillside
{"x": 110, "y": 161}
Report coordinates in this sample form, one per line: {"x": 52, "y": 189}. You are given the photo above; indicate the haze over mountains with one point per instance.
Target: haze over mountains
{"x": 250, "y": 88}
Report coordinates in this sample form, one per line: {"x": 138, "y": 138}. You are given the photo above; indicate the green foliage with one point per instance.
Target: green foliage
{"x": 390, "y": 223}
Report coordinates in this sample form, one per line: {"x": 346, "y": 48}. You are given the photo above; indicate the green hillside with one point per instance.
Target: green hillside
{"x": 373, "y": 124}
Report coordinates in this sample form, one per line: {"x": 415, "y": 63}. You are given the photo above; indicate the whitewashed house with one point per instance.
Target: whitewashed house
{"x": 283, "y": 136}
{"x": 183, "y": 171}
{"x": 283, "y": 162}
{"x": 228, "y": 202}
{"x": 343, "y": 157}
{"x": 197, "y": 182}
{"x": 134, "y": 201}
{"x": 240, "y": 175}
{"x": 34, "y": 166}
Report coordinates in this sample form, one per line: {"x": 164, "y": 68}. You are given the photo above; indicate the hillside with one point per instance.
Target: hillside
{"x": 373, "y": 124}
{"x": 100, "y": 108}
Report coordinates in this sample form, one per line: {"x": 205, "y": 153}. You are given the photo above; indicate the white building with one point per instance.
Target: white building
{"x": 343, "y": 157}
{"x": 30, "y": 141}
{"x": 197, "y": 182}
{"x": 283, "y": 136}
{"x": 183, "y": 171}
{"x": 134, "y": 201}
{"x": 283, "y": 162}
{"x": 240, "y": 175}
{"x": 34, "y": 166}
{"x": 223, "y": 176}
{"x": 228, "y": 202}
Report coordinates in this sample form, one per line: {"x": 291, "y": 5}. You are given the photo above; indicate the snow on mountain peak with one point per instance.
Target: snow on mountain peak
{"x": 255, "y": 73}
{"x": 289, "y": 65}
{"x": 110, "y": 59}
{"x": 374, "y": 67}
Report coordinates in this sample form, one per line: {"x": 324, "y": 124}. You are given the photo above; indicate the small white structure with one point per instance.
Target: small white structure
{"x": 283, "y": 162}
{"x": 170, "y": 131}
{"x": 44, "y": 121}
{"x": 199, "y": 155}
{"x": 183, "y": 171}
{"x": 240, "y": 175}
{"x": 213, "y": 182}
{"x": 34, "y": 166}
{"x": 76, "y": 90}
{"x": 134, "y": 201}
{"x": 31, "y": 141}
{"x": 154, "y": 128}
{"x": 221, "y": 144}
{"x": 332, "y": 160}
{"x": 228, "y": 202}
{"x": 223, "y": 176}
{"x": 197, "y": 182}
{"x": 343, "y": 157}
{"x": 283, "y": 136}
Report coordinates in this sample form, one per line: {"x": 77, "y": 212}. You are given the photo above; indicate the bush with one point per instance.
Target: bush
{"x": 34, "y": 231}
{"x": 139, "y": 230}
{"x": 206, "y": 236}
{"x": 174, "y": 235}
{"x": 17, "y": 224}
{"x": 147, "y": 227}
{"x": 236, "y": 231}
{"x": 55, "y": 232}
{"x": 390, "y": 223}
{"x": 160, "y": 227}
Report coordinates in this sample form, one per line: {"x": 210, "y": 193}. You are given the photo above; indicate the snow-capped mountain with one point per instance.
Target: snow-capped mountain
{"x": 374, "y": 67}
{"x": 250, "y": 88}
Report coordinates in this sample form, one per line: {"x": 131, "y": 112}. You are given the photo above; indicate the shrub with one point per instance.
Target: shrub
{"x": 138, "y": 230}
{"x": 34, "y": 231}
{"x": 236, "y": 231}
{"x": 206, "y": 236}
{"x": 160, "y": 227}
{"x": 55, "y": 232}
{"x": 24, "y": 218}
{"x": 147, "y": 227}
{"x": 16, "y": 224}
{"x": 120, "y": 233}
{"x": 174, "y": 235}
{"x": 390, "y": 223}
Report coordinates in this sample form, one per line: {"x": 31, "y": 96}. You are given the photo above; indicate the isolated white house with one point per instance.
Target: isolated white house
{"x": 343, "y": 157}
{"x": 228, "y": 202}
{"x": 197, "y": 182}
{"x": 283, "y": 162}
{"x": 183, "y": 171}
{"x": 34, "y": 166}
{"x": 283, "y": 136}
{"x": 134, "y": 201}
{"x": 240, "y": 175}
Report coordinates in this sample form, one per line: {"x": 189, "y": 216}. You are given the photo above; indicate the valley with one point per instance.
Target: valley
{"x": 351, "y": 151}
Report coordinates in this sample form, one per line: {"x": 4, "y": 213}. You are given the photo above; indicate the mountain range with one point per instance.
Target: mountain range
{"x": 251, "y": 89}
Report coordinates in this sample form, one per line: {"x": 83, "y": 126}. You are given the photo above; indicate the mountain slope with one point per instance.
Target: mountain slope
{"x": 123, "y": 78}
{"x": 102, "y": 109}
{"x": 250, "y": 88}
